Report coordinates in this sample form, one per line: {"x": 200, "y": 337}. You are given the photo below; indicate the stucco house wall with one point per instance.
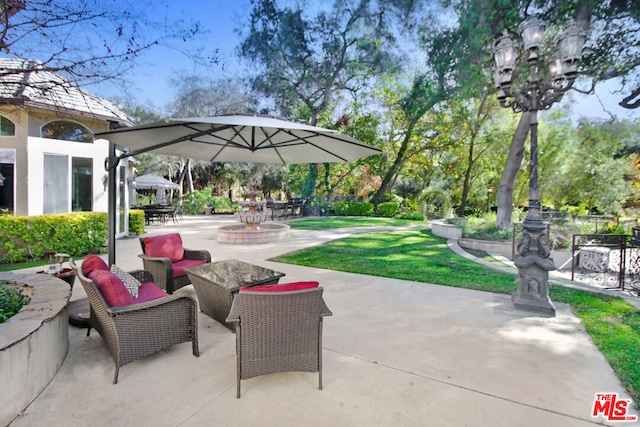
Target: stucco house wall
{"x": 29, "y": 109}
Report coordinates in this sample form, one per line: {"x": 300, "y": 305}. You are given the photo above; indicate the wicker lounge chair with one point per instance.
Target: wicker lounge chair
{"x": 165, "y": 258}
{"x": 134, "y": 331}
{"x": 278, "y": 331}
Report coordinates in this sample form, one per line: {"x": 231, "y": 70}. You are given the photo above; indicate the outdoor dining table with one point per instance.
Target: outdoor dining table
{"x": 278, "y": 209}
{"x": 157, "y": 213}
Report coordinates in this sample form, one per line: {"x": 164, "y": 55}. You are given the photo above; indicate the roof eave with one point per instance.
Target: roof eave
{"x": 71, "y": 111}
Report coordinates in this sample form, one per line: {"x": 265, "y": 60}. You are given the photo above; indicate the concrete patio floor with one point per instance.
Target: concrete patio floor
{"x": 395, "y": 353}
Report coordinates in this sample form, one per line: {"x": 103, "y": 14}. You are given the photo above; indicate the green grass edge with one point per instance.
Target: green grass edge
{"x": 612, "y": 323}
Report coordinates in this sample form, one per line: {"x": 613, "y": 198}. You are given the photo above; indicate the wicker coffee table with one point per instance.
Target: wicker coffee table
{"x": 216, "y": 283}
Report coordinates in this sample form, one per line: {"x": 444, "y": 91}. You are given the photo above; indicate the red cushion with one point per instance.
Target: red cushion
{"x": 281, "y": 287}
{"x": 114, "y": 292}
{"x": 166, "y": 246}
{"x": 149, "y": 291}
{"x": 178, "y": 267}
{"x": 92, "y": 263}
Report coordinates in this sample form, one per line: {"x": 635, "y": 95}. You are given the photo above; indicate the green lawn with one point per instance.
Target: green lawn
{"x": 20, "y": 265}
{"x": 417, "y": 255}
{"x": 402, "y": 255}
{"x": 341, "y": 222}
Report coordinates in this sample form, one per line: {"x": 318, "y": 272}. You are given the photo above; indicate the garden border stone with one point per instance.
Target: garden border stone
{"x": 442, "y": 228}
{"x": 33, "y": 343}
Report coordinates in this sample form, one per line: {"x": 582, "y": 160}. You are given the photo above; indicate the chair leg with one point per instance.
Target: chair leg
{"x": 88, "y": 330}
{"x": 115, "y": 376}
{"x": 238, "y": 358}
{"x": 238, "y": 361}
{"x": 320, "y": 355}
{"x": 194, "y": 345}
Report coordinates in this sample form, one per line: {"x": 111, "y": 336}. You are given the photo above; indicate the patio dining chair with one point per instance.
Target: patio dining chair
{"x": 278, "y": 329}
{"x": 166, "y": 258}
{"x": 135, "y": 327}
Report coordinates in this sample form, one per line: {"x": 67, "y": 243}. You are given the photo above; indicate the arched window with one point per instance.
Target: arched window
{"x": 7, "y": 128}
{"x": 64, "y": 129}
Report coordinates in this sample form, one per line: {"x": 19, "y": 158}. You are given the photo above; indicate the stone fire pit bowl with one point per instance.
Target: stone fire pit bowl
{"x": 33, "y": 343}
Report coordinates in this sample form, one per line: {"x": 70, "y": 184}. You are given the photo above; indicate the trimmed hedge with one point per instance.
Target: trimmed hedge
{"x": 136, "y": 221}
{"x": 353, "y": 208}
{"x": 31, "y": 237}
{"x": 388, "y": 209}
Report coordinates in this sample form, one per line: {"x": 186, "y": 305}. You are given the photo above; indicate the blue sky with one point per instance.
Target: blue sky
{"x": 220, "y": 19}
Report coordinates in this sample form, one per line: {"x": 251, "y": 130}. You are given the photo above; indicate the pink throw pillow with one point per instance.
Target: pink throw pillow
{"x": 92, "y": 263}
{"x": 149, "y": 291}
{"x": 114, "y": 292}
{"x": 281, "y": 287}
{"x": 165, "y": 246}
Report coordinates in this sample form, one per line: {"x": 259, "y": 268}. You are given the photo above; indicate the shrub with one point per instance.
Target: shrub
{"x": 484, "y": 228}
{"x": 195, "y": 202}
{"x": 562, "y": 233}
{"x": 353, "y": 208}
{"x": 221, "y": 205}
{"x": 388, "y": 209}
{"x": 411, "y": 216}
{"x": 575, "y": 211}
{"x": 31, "y": 237}
{"x": 613, "y": 228}
{"x": 11, "y": 300}
{"x": 322, "y": 202}
{"x": 408, "y": 188}
{"x": 136, "y": 221}
{"x": 390, "y": 197}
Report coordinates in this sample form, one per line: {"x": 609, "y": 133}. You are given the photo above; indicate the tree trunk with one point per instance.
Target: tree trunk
{"x": 393, "y": 170}
{"x": 327, "y": 179}
{"x": 309, "y": 186}
{"x": 185, "y": 172}
{"x": 467, "y": 180}
{"x": 510, "y": 172}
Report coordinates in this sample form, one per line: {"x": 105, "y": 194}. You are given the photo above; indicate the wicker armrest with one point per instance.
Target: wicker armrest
{"x": 197, "y": 254}
{"x": 234, "y": 313}
{"x": 324, "y": 310}
{"x": 114, "y": 311}
{"x": 163, "y": 260}
{"x": 142, "y": 276}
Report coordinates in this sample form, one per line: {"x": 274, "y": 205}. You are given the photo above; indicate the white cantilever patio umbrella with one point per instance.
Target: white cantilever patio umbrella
{"x": 240, "y": 138}
{"x": 231, "y": 138}
{"x": 154, "y": 182}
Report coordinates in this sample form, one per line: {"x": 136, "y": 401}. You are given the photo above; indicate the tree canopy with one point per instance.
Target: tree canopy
{"x": 411, "y": 77}
{"x": 88, "y": 41}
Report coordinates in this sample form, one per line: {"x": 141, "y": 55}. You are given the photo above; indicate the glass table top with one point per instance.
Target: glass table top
{"x": 232, "y": 273}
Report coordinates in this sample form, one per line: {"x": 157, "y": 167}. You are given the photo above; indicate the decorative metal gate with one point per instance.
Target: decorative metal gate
{"x": 599, "y": 259}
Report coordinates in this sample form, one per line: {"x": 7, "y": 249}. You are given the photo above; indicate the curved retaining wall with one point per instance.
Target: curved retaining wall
{"x": 561, "y": 258}
{"x": 502, "y": 248}
{"x": 449, "y": 231}
{"x": 33, "y": 343}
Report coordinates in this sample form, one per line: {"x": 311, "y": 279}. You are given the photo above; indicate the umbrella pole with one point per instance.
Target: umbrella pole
{"x": 111, "y": 200}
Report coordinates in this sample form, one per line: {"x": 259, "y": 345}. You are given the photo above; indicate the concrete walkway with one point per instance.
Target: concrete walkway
{"x": 396, "y": 353}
